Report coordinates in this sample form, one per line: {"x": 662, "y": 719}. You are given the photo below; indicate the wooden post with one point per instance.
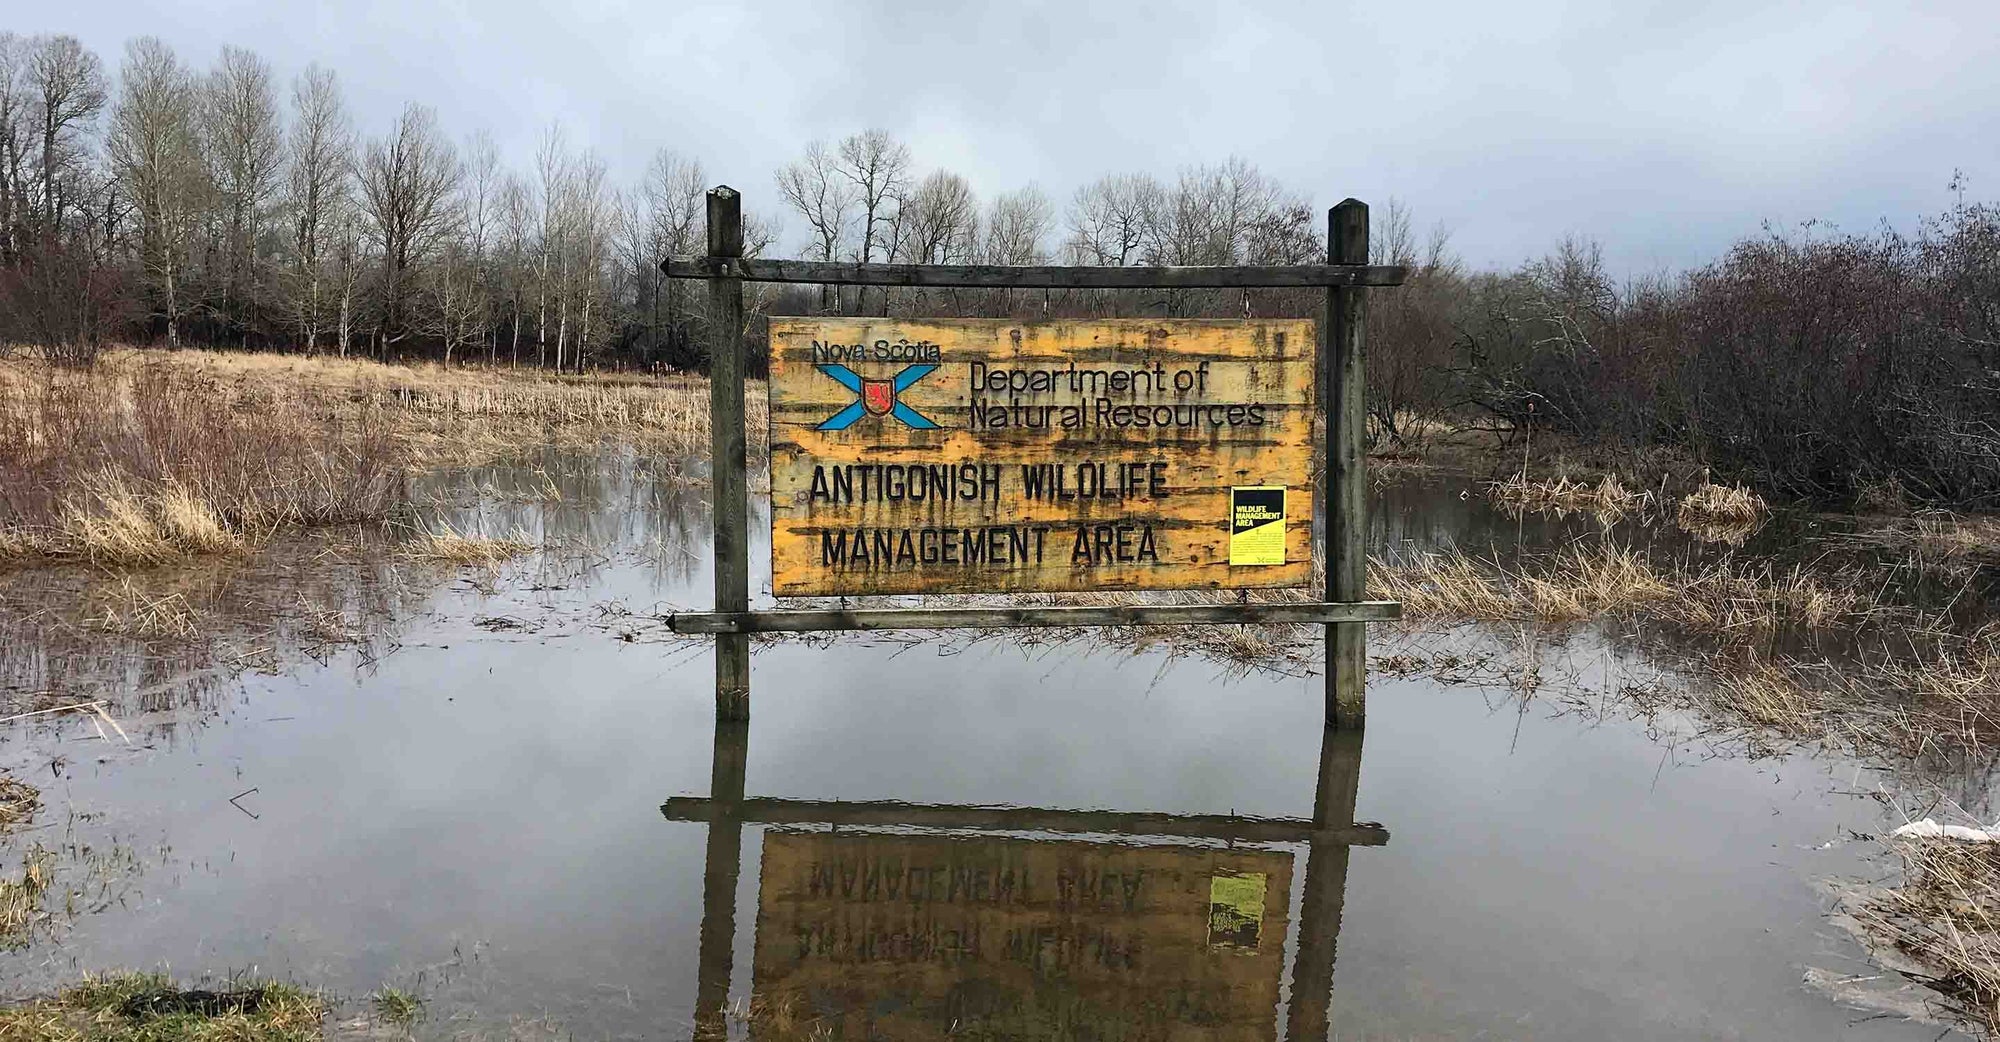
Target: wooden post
{"x": 723, "y": 863}
{"x": 1325, "y": 897}
{"x": 727, "y": 477}
{"x": 1346, "y": 486}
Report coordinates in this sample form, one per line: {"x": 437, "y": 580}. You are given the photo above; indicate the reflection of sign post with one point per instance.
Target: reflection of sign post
{"x": 970, "y": 455}
{"x": 900, "y": 937}
{"x": 842, "y": 913}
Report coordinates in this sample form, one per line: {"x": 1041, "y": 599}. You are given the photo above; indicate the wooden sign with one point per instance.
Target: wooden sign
{"x": 917, "y": 937}
{"x": 984, "y": 455}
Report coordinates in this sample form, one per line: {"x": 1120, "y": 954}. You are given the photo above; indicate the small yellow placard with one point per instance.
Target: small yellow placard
{"x": 1235, "y": 911}
{"x": 1257, "y": 524}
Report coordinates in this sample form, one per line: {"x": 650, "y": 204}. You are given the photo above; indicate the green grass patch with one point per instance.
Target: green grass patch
{"x": 144, "y": 1007}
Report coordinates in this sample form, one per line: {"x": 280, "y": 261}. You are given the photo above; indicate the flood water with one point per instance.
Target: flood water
{"x": 473, "y": 808}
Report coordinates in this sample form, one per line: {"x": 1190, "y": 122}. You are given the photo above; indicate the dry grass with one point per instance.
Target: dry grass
{"x": 18, "y": 802}
{"x": 1585, "y": 582}
{"x": 21, "y": 909}
{"x": 1950, "y": 542}
{"x": 129, "y": 609}
{"x": 1946, "y": 918}
{"x": 1766, "y": 654}
{"x": 470, "y": 415}
{"x": 446, "y": 545}
{"x": 150, "y": 1008}
{"x": 1607, "y": 500}
{"x": 154, "y": 456}
{"x": 1712, "y": 504}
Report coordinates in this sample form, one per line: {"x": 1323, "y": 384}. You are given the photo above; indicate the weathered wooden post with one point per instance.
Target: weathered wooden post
{"x": 722, "y": 863}
{"x": 727, "y": 467}
{"x": 1346, "y": 484}
{"x": 1325, "y": 897}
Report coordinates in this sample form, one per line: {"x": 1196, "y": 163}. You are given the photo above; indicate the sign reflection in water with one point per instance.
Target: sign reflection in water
{"x": 908, "y": 921}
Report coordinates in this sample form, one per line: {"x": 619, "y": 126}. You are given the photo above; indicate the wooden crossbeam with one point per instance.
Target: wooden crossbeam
{"x": 773, "y": 811}
{"x": 1003, "y": 618}
{"x": 1035, "y": 276}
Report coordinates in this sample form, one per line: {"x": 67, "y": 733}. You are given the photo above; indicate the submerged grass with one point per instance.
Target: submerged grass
{"x": 1945, "y": 918}
{"x": 397, "y": 1006}
{"x": 1769, "y": 653}
{"x": 446, "y": 545}
{"x": 138, "y": 1007}
{"x": 18, "y": 802}
{"x": 21, "y": 896}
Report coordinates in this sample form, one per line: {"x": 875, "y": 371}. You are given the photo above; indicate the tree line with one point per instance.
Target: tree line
{"x": 163, "y": 203}
{"x": 219, "y": 207}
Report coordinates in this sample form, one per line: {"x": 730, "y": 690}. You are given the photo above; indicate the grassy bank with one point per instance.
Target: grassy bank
{"x": 150, "y": 1008}
{"x": 151, "y": 456}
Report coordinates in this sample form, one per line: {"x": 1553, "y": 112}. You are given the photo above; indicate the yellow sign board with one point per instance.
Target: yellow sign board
{"x": 893, "y": 936}
{"x": 983, "y": 455}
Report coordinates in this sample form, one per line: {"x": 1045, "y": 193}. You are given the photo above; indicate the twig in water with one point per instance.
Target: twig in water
{"x": 239, "y": 806}
{"x": 113, "y": 723}
{"x": 59, "y": 709}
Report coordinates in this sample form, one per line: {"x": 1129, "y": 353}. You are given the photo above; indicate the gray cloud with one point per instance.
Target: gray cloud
{"x": 1665, "y": 130}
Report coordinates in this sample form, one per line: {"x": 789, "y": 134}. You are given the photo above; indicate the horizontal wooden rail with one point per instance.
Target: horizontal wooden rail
{"x": 1035, "y": 276}
{"x": 772, "y": 811}
{"x": 1002, "y": 618}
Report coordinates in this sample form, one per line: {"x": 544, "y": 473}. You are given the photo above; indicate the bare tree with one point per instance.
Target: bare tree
{"x": 938, "y": 223}
{"x": 586, "y": 225}
{"x": 878, "y": 167}
{"x": 155, "y": 150}
{"x": 815, "y": 188}
{"x": 240, "y": 124}
{"x": 318, "y": 191}
{"x": 517, "y": 211}
{"x": 407, "y": 181}
{"x": 673, "y": 200}
{"x": 459, "y": 289}
{"x": 350, "y": 261}
{"x": 1018, "y": 226}
{"x": 1109, "y": 217}
{"x": 552, "y": 168}
{"x": 820, "y": 193}
{"x": 1206, "y": 216}
{"x": 67, "y": 90}
{"x": 14, "y": 143}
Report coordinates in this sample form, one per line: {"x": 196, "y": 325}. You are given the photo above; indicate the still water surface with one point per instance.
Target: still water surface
{"x": 476, "y": 811}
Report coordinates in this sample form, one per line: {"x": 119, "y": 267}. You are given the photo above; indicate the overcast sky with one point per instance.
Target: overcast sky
{"x": 1664, "y": 130}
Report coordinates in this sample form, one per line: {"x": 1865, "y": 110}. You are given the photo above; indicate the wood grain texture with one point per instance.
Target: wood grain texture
{"x": 1346, "y": 469}
{"x": 1171, "y": 413}
{"x": 763, "y": 269}
{"x": 865, "y": 619}
{"x": 726, "y": 453}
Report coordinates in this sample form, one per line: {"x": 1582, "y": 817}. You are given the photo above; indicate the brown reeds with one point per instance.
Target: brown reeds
{"x": 1713, "y": 505}
{"x": 446, "y": 545}
{"x": 1607, "y": 500}
{"x": 141, "y": 463}
{"x": 18, "y": 802}
{"x": 1583, "y": 582}
{"x": 1946, "y": 918}
{"x": 21, "y": 898}
{"x": 153, "y": 456}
